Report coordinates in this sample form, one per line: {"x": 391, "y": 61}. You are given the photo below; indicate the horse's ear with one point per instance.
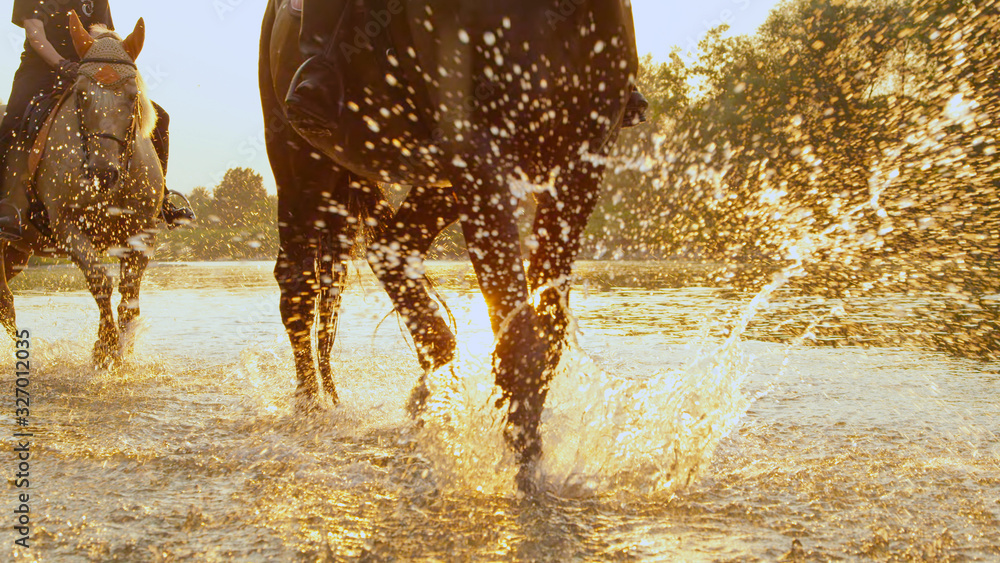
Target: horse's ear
{"x": 82, "y": 41}
{"x": 133, "y": 43}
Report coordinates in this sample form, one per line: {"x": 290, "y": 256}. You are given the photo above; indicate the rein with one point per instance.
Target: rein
{"x": 129, "y": 139}
{"x": 109, "y": 61}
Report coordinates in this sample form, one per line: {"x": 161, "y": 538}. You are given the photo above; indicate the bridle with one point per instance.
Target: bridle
{"x": 125, "y": 143}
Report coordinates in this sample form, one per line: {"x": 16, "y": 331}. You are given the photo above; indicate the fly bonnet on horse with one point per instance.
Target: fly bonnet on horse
{"x": 109, "y": 61}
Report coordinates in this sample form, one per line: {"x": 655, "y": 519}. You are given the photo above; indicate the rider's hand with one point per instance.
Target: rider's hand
{"x": 68, "y": 70}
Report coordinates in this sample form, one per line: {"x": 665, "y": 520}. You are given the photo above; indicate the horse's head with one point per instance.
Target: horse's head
{"x": 109, "y": 100}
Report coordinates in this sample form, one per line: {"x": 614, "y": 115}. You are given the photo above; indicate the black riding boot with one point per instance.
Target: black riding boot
{"x": 10, "y": 215}
{"x": 635, "y": 109}
{"x": 316, "y": 95}
{"x": 172, "y": 215}
{"x": 175, "y": 216}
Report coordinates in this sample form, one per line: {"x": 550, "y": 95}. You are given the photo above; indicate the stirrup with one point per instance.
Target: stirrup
{"x": 10, "y": 227}
{"x": 181, "y": 215}
{"x": 169, "y": 193}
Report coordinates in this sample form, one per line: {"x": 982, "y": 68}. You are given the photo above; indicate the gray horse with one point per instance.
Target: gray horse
{"x": 96, "y": 176}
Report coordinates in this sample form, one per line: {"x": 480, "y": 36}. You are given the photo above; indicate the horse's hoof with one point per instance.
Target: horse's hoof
{"x": 528, "y": 478}
{"x": 126, "y": 345}
{"x": 104, "y": 357}
{"x": 523, "y": 435}
{"x": 311, "y": 402}
{"x": 418, "y": 398}
{"x": 330, "y": 392}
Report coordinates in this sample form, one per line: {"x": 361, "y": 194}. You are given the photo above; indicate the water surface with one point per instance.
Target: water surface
{"x": 669, "y": 436}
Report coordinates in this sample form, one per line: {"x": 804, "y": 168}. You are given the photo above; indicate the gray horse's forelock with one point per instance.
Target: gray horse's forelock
{"x": 100, "y": 31}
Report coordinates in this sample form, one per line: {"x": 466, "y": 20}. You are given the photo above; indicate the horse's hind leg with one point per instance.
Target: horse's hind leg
{"x": 332, "y": 277}
{"x": 559, "y": 224}
{"x": 397, "y": 257}
{"x": 310, "y": 231}
{"x": 335, "y": 253}
{"x": 13, "y": 262}
{"x": 295, "y": 272}
{"x": 492, "y": 237}
{"x": 133, "y": 266}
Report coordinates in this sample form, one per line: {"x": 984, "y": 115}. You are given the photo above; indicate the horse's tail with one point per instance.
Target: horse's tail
{"x": 367, "y": 205}
{"x": 331, "y": 283}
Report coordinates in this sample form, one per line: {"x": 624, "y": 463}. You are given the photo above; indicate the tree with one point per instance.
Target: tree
{"x": 201, "y": 203}
{"x": 240, "y": 198}
{"x": 767, "y": 139}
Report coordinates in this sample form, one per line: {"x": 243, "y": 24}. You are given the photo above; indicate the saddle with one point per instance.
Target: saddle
{"x": 35, "y": 125}
{"x": 33, "y": 131}
{"x": 35, "y": 115}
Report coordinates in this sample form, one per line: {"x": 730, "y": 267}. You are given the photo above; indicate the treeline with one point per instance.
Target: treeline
{"x": 237, "y": 220}
{"x": 850, "y": 131}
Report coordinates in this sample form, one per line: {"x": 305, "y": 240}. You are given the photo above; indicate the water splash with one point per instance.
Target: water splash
{"x": 462, "y": 433}
{"x": 603, "y": 432}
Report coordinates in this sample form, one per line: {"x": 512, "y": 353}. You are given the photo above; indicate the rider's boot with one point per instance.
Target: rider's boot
{"x": 173, "y": 215}
{"x": 635, "y": 109}
{"x": 10, "y": 222}
{"x": 316, "y": 94}
{"x": 10, "y": 214}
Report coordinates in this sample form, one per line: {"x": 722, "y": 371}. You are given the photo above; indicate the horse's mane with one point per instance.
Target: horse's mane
{"x": 147, "y": 114}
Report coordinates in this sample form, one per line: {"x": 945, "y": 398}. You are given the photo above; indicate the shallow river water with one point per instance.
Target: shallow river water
{"x": 670, "y": 434}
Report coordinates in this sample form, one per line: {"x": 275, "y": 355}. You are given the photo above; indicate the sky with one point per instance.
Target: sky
{"x": 200, "y": 64}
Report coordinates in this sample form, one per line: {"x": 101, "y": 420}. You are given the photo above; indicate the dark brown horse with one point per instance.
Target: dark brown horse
{"x": 491, "y": 102}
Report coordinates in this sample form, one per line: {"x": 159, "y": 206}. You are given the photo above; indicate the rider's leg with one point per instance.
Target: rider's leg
{"x": 31, "y": 78}
{"x": 317, "y": 89}
{"x": 172, "y": 215}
